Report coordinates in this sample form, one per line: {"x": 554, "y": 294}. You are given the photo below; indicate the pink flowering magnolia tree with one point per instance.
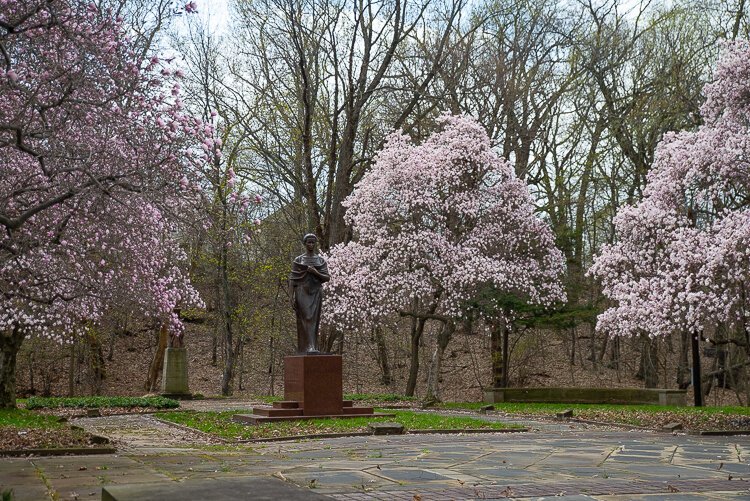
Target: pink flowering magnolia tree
{"x": 681, "y": 262}
{"x": 95, "y": 154}
{"x": 434, "y": 224}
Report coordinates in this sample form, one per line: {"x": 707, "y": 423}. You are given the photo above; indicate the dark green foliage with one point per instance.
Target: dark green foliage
{"x": 491, "y": 303}
{"x": 99, "y": 402}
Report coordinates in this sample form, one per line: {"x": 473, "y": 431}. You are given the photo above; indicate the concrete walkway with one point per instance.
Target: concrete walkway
{"x": 554, "y": 461}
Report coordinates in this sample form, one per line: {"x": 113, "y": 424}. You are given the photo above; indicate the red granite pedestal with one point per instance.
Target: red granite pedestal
{"x": 315, "y": 383}
{"x": 312, "y": 388}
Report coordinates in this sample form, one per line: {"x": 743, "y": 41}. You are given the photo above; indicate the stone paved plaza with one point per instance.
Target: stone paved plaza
{"x": 569, "y": 461}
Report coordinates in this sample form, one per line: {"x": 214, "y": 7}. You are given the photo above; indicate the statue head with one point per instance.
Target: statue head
{"x": 309, "y": 236}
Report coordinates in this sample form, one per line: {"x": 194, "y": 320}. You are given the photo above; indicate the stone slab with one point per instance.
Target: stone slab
{"x": 672, "y": 426}
{"x": 276, "y": 411}
{"x": 229, "y": 489}
{"x": 660, "y": 396}
{"x": 255, "y": 419}
{"x": 386, "y": 428}
{"x": 566, "y": 414}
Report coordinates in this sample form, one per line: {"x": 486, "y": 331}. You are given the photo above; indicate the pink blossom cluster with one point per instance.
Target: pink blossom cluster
{"x": 95, "y": 153}
{"x": 682, "y": 260}
{"x": 434, "y": 223}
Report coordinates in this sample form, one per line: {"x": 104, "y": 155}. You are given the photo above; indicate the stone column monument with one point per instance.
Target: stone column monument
{"x": 174, "y": 379}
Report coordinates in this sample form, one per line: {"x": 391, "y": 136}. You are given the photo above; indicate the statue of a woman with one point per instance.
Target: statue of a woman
{"x": 309, "y": 272}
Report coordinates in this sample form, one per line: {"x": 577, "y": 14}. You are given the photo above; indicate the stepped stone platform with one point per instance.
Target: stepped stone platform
{"x": 313, "y": 388}
{"x": 291, "y": 410}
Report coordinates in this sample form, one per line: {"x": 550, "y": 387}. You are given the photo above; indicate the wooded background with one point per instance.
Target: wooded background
{"x": 576, "y": 94}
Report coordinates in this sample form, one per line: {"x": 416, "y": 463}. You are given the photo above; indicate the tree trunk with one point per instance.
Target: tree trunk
{"x": 241, "y": 356}
{"x": 10, "y": 343}
{"x": 648, "y": 365}
{"x": 496, "y": 355}
{"x": 98, "y": 364}
{"x": 72, "y": 369}
{"x": 32, "y": 364}
{"x": 697, "y": 386}
{"x": 382, "y": 356}
{"x": 573, "y": 339}
{"x": 433, "y": 376}
{"x": 271, "y": 368}
{"x": 228, "y": 372}
{"x": 417, "y": 328}
{"x": 614, "y": 359}
{"x": 683, "y": 366}
{"x": 157, "y": 363}
{"x": 592, "y": 346}
{"x": 225, "y": 317}
{"x": 331, "y": 340}
{"x": 603, "y": 349}
{"x": 214, "y": 346}
{"x": 499, "y": 350}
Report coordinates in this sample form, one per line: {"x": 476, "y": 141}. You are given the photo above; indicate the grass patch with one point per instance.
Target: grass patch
{"x": 221, "y": 424}
{"x": 267, "y": 399}
{"x": 468, "y": 406}
{"x": 21, "y": 429}
{"x": 22, "y": 418}
{"x": 653, "y": 416}
{"x": 100, "y": 402}
{"x": 378, "y": 397}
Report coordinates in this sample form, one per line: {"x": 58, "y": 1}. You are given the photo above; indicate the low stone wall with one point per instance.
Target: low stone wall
{"x": 656, "y": 396}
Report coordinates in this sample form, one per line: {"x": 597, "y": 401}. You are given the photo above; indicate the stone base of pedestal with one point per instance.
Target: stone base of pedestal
{"x": 289, "y": 411}
{"x": 312, "y": 388}
{"x": 174, "y": 380}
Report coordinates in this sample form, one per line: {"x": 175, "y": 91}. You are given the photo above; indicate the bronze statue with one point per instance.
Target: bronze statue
{"x": 309, "y": 272}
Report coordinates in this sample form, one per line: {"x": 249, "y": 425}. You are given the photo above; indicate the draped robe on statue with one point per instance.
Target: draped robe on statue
{"x": 308, "y": 300}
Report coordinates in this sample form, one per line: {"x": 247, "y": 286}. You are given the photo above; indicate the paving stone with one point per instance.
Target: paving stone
{"x": 734, "y": 468}
{"x": 348, "y": 480}
{"x": 410, "y": 475}
{"x": 505, "y": 474}
{"x": 260, "y": 489}
{"x": 26, "y": 491}
{"x": 576, "y": 497}
{"x": 535, "y": 463}
{"x": 631, "y": 458}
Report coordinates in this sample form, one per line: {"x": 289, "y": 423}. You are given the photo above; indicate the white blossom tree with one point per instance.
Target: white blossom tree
{"x": 435, "y": 223}
{"x": 681, "y": 262}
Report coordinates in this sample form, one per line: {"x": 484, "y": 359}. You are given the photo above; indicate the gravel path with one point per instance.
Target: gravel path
{"x": 143, "y": 433}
